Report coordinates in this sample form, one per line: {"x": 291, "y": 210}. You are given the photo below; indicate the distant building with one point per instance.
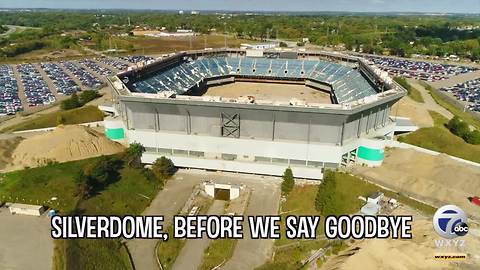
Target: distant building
{"x": 161, "y": 33}
{"x": 261, "y": 46}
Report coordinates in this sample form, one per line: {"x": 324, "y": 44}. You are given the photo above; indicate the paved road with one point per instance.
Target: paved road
{"x": 191, "y": 255}
{"x": 248, "y": 253}
{"x": 168, "y": 202}
{"x": 25, "y": 242}
{"x": 14, "y": 28}
{"x": 430, "y": 103}
{"x": 251, "y": 253}
{"x": 21, "y": 87}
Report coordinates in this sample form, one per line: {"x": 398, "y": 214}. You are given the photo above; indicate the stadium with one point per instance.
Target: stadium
{"x": 256, "y": 111}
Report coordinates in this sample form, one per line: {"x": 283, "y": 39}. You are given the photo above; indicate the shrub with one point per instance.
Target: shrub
{"x": 76, "y": 102}
{"x": 458, "y": 127}
{"x": 71, "y": 103}
{"x": 288, "y": 181}
{"x": 163, "y": 168}
{"x": 60, "y": 120}
{"x": 88, "y": 95}
{"x": 473, "y": 137}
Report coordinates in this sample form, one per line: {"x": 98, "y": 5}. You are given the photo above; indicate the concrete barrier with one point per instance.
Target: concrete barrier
{"x": 90, "y": 124}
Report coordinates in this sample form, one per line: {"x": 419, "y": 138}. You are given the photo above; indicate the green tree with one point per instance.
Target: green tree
{"x": 163, "y": 168}
{"x": 288, "y": 181}
{"x": 133, "y": 154}
{"x": 96, "y": 176}
{"x": 325, "y": 199}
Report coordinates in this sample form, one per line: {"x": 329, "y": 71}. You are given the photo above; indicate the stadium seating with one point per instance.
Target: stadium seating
{"x": 348, "y": 84}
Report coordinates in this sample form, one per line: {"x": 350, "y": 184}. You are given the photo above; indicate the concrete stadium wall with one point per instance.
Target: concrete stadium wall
{"x": 237, "y": 166}
{"x": 269, "y": 125}
{"x": 244, "y": 148}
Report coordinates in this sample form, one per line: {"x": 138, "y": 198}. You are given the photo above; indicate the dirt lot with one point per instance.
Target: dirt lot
{"x": 415, "y": 254}
{"x": 152, "y": 45}
{"x": 270, "y": 91}
{"x": 65, "y": 143}
{"x": 437, "y": 180}
{"x": 419, "y": 115}
{"x": 25, "y": 242}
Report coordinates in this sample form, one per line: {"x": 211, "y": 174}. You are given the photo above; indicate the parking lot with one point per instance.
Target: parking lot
{"x": 25, "y": 242}
{"x": 419, "y": 70}
{"x": 135, "y": 59}
{"x": 10, "y": 102}
{"x": 87, "y": 79}
{"x": 31, "y": 87}
{"x": 116, "y": 63}
{"x": 35, "y": 87}
{"x": 468, "y": 91}
{"x": 63, "y": 83}
{"x": 99, "y": 70}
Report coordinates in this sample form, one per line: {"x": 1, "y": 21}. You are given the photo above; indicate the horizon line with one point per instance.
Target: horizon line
{"x": 242, "y": 11}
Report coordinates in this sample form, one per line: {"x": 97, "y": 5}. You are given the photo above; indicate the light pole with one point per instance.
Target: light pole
{"x": 225, "y": 33}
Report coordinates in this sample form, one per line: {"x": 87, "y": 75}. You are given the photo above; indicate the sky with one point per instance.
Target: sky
{"x": 437, "y": 6}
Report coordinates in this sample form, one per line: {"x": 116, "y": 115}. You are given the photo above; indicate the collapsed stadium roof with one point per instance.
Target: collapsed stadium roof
{"x": 350, "y": 80}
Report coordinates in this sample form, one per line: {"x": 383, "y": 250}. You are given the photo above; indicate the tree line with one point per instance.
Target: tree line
{"x": 396, "y": 35}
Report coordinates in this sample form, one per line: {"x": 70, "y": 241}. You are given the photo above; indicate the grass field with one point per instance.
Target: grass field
{"x": 218, "y": 251}
{"x": 76, "y": 116}
{"x": 439, "y": 138}
{"x": 130, "y": 195}
{"x": 290, "y": 258}
{"x": 39, "y": 185}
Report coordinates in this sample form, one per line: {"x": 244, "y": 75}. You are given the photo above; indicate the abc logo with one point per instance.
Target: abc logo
{"x": 450, "y": 221}
{"x": 461, "y": 229}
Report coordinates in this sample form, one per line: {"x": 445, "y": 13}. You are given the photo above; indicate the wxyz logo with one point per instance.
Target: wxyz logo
{"x": 443, "y": 243}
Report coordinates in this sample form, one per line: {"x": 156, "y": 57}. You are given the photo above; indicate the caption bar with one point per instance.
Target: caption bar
{"x": 218, "y": 227}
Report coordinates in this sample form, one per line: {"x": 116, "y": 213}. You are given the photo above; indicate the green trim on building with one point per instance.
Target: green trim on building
{"x": 370, "y": 154}
{"x": 115, "y": 133}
